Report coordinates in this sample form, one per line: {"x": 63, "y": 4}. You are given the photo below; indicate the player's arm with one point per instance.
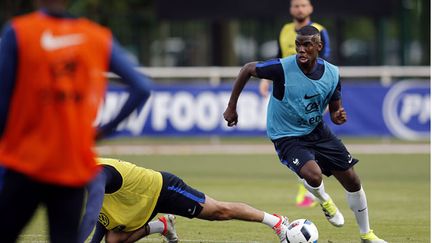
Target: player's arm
{"x": 325, "y": 52}
{"x": 95, "y": 196}
{"x": 271, "y": 70}
{"x": 139, "y": 87}
{"x": 264, "y": 85}
{"x": 99, "y": 233}
{"x": 337, "y": 112}
{"x": 247, "y": 71}
{"x": 138, "y": 234}
{"x": 8, "y": 66}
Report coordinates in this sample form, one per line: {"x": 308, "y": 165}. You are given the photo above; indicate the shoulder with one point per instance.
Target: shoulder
{"x": 332, "y": 68}
{"x": 287, "y": 27}
{"x": 24, "y": 19}
{"x": 8, "y": 29}
{"x": 288, "y": 59}
{"x": 318, "y": 26}
{"x": 268, "y": 63}
{"x": 107, "y": 161}
{"x": 330, "y": 64}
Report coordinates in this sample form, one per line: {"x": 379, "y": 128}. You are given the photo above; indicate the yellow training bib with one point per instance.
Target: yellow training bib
{"x": 130, "y": 207}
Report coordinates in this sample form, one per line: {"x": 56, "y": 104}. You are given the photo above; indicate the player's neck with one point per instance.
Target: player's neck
{"x": 308, "y": 67}
{"x": 300, "y": 24}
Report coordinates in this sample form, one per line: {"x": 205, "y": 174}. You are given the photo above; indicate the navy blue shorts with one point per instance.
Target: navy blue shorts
{"x": 320, "y": 145}
{"x": 176, "y": 197}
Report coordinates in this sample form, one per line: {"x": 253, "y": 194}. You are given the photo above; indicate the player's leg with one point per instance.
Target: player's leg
{"x": 313, "y": 182}
{"x": 180, "y": 199}
{"x": 357, "y": 201}
{"x": 19, "y": 199}
{"x": 64, "y": 207}
{"x": 218, "y": 210}
{"x": 304, "y": 198}
{"x": 296, "y": 154}
{"x": 335, "y": 159}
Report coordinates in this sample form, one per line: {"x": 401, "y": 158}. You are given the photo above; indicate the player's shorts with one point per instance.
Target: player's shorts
{"x": 320, "y": 145}
{"x": 176, "y": 197}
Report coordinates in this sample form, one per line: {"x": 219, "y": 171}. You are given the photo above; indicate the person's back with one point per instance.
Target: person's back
{"x": 52, "y": 69}
{"x": 59, "y": 86}
{"x": 138, "y": 194}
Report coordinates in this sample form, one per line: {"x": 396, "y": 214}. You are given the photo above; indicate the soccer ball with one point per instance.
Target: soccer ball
{"x": 302, "y": 231}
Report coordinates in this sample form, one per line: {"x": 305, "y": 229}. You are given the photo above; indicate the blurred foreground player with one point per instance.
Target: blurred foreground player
{"x": 304, "y": 85}
{"x": 52, "y": 82}
{"x": 126, "y": 197}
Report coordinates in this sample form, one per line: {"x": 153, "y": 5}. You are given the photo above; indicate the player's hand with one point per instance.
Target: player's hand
{"x": 264, "y": 87}
{"x": 231, "y": 116}
{"x": 339, "y": 117}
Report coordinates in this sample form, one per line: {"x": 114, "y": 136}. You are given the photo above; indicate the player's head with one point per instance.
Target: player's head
{"x": 301, "y": 10}
{"x": 308, "y": 44}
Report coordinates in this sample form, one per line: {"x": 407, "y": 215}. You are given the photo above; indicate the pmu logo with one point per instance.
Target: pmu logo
{"x": 406, "y": 110}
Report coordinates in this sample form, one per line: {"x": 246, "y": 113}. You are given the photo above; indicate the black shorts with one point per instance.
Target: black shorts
{"x": 176, "y": 197}
{"x": 320, "y": 145}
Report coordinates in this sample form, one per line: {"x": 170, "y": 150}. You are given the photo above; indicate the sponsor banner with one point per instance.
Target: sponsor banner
{"x": 401, "y": 110}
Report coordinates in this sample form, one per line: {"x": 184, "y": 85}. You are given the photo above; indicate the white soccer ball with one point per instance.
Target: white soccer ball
{"x": 302, "y": 231}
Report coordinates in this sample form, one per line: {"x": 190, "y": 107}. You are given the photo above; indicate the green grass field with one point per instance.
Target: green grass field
{"x": 397, "y": 188}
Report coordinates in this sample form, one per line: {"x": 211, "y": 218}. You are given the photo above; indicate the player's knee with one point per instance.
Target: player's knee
{"x": 313, "y": 178}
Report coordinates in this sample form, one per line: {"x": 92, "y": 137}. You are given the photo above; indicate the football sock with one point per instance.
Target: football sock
{"x": 270, "y": 220}
{"x": 358, "y": 204}
{"x": 309, "y": 194}
{"x": 318, "y": 192}
{"x": 156, "y": 226}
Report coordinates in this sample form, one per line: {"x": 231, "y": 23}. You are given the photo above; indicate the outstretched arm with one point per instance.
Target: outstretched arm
{"x": 99, "y": 233}
{"x": 230, "y": 114}
{"x": 139, "y": 87}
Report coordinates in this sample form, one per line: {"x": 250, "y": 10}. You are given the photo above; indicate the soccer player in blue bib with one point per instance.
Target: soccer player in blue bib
{"x": 303, "y": 86}
{"x": 301, "y": 11}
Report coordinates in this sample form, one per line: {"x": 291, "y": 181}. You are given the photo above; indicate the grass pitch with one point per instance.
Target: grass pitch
{"x": 397, "y": 189}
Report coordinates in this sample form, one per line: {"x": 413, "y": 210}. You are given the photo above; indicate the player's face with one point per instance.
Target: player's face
{"x": 307, "y": 48}
{"x": 300, "y": 9}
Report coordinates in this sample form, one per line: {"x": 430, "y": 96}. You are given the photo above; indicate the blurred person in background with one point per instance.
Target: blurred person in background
{"x": 300, "y": 11}
{"x": 303, "y": 86}
{"x": 52, "y": 81}
{"x": 125, "y": 197}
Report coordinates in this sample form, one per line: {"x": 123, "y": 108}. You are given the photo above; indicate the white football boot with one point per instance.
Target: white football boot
{"x": 169, "y": 230}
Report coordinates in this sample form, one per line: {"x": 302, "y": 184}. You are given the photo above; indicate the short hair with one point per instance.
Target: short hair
{"x": 308, "y": 30}
{"x": 309, "y": 1}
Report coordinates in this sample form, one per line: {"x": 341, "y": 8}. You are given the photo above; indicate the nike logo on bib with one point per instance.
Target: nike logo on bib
{"x": 52, "y": 43}
{"x": 310, "y": 97}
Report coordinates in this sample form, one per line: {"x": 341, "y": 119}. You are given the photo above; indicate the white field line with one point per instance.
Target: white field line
{"x": 197, "y": 149}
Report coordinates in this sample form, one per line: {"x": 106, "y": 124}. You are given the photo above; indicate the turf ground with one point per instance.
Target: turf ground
{"x": 397, "y": 187}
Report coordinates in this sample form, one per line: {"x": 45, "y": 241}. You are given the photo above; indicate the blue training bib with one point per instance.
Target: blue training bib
{"x": 304, "y": 101}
